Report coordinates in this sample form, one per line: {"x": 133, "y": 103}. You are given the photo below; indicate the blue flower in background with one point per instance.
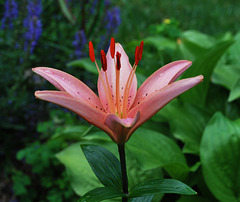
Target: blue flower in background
{"x": 79, "y": 43}
{"x": 113, "y": 19}
{"x": 33, "y": 25}
{"x": 10, "y": 13}
{"x": 94, "y": 5}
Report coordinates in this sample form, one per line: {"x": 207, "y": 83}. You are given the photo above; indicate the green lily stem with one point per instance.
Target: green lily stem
{"x": 121, "y": 150}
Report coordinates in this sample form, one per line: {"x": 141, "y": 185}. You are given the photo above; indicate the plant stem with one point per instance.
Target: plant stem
{"x": 121, "y": 150}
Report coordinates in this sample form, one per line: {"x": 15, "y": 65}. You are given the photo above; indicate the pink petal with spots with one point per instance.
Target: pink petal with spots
{"x": 121, "y": 127}
{"x": 111, "y": 74}
{"x": 70, "y": 84}
{"x": 159, "y": 99}
{"x": 161, "y": 78}
{"x": 93, "y": 115}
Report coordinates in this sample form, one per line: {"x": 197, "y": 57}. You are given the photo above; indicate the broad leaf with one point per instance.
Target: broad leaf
{"x": 72, "y": 132}
{"x": 79, "y": 171}
{"x": 104, "y": 164}
{"x": 161, "y": 186}
{"x": 187, "y": 123}
{"x": 226, "y": 75}
{"x": 84, "y": 63}
{"x": 193, "y": 44}
{"x": 100, "y": 194}
{"x": 204, "y": 65}
{"x": 153, "y": 150}
{"x": 235, "y": 91}
{"x": 220, "y": 154}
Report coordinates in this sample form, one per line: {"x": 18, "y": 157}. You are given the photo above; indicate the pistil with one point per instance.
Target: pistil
{"x": 104, "y": 67}
{"x": 118, "y": 66}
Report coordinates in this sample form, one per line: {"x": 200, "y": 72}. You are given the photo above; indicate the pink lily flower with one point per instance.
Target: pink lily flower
{"x": 120, "y": 108}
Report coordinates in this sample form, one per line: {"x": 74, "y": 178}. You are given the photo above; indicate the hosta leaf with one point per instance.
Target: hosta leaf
{"x": 153, "y": 150}
{"x": 220, "y": 154}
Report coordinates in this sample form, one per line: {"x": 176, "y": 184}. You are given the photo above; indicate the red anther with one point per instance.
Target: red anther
{"x": 118, "y": 65}
{"x": 137, "y": 50}
{"x": 112, "y": 47}
{"x": 91, "y": 51}
{"x": 103, "y": 60}
{"x": 141, "y": 50}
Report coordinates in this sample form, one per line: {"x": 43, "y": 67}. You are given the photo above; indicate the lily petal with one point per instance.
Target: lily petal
{"x": 121, "y": 127}
{"x": 70, "y": 84}
{"x": 93, "y": 115}
{"x": 125, "y": 70}
{"x": 161, "y": 78}
{"x": 159, "y": 99}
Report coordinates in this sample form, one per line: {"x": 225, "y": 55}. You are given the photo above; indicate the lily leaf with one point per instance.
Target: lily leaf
{"x": 66, "y": 11}
{"x": 220, "y": 156}
{"x": 141, "y": 199}
{"x": 161, "y": 186}
{"x": 104, "y": 164}
{"x": 100, "y": 194}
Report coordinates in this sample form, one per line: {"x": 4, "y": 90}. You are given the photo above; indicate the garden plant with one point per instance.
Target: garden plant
{"x": 155, "y": 118}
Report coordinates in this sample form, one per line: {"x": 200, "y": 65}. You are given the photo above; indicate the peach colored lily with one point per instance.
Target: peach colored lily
{"x": 120, "y": 108}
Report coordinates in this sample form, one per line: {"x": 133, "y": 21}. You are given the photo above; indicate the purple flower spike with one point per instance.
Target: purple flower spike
{"x": 10, "y": 14}
{"x": 79, "y": 43}
{"x": 33, "y": 25}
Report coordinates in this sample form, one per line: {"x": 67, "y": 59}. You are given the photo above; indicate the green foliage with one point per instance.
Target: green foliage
{"x": 160, "y": 186}
{"x": 21, "y": 181}
{"x": 167, "y": 153}
{"x": 107, "y": 169}
{"x": 194, "y": 138}
{"x": 220, "y": 156}
{"x": 100, "y": 194}
{"x": 104, "y": 164}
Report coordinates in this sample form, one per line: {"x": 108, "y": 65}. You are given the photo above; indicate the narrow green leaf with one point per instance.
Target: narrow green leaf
{"x": 84, "y": 63}
{"x": 141, "y": 199}
{"x": 82, "y": 177}
{"x": 235, "y": 91}
{"x": 220, "y": 157}
{"x": 204, "y": 65}
{"x": 66, "y": 11}
{"x": 104, "y": 164}
{"x": 161, "y": 186}
{"x": 100, "y": 194}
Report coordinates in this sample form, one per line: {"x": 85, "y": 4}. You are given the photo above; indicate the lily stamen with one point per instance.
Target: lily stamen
{"x": 119, "y": 122}
{"x": 92, "y": 57}
{"x": 138, "y": 56}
